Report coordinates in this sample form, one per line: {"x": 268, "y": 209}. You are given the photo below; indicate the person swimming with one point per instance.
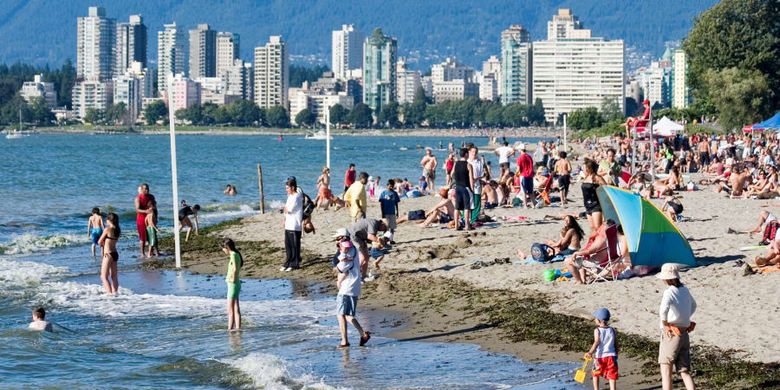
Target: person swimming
{"x": 95, "y": 228}
{"x": 39, "y": 321}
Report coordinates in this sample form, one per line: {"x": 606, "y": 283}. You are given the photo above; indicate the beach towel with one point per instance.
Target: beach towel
{"x": 766, "y": 270}
{"x": 516, "y": 218}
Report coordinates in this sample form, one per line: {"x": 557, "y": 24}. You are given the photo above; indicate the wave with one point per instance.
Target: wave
{"x": 29, "y": 243}
{"x": 271, "y": 372}
{"x": 15, "y": 275}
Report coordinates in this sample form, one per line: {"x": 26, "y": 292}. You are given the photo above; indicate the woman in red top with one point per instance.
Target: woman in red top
{"x": 142, "y": 208}
{"x": 449, "y": 164}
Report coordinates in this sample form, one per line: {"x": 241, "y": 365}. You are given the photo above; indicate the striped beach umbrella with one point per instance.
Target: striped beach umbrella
{"x": 653, "y": 239}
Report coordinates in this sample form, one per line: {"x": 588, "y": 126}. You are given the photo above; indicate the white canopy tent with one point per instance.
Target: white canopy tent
{"x": 666, "y": 127}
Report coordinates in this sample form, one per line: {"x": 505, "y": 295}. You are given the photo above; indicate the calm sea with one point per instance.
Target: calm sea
{"x": 166, "y": 328}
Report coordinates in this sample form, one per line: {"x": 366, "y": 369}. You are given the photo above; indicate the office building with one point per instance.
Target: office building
{"x": 239, "y": 79}
{"x": 680, "y": 91}
{"x": 131, "y": 41}
{"x": 379, "y": 57}
{"x": 39, "y": 89}
{"x": 572, "y": 70}
{"x": 407, "y": 82}
{"x": 203, "y": 52}
{"x": 228, "y": 45}
{"x": 95, "y": 40}
{"x": 488, "y": 87}
{"x": 453, "y": 81}
{"x": 272, "y": 73}
{"x": 347, "y": 51}
{"x": 171, "y": 54}
{"x": 655, "y": 81}
{"x": 516, "y": 66}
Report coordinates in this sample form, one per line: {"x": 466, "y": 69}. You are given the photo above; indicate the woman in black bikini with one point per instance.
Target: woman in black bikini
{"x": 591, "y": 182}
{"x": 110, "y": 255}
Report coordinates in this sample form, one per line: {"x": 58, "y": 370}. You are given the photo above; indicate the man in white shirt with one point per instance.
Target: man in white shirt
{"x": 677, "y": 307}
{"x": 348, "y": 283}
{"x": 293, "y": 219}
{"x": 504, "y": 153}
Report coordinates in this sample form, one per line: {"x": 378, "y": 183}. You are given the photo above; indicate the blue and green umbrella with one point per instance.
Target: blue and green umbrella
{"x": 653, "y": 240}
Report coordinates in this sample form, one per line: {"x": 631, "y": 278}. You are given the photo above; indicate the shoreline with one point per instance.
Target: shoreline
{"x": 550, "y": 132}
{"x": 422, "y": 304}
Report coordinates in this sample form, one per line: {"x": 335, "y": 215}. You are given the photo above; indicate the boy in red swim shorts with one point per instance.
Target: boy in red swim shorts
{"x": 604, "y": 350}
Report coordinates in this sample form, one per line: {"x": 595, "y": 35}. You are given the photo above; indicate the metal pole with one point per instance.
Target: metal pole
{"x": 174, "y": 175}
{"x": 652, "y": 145}
{"x": 327, "y": 137}
{"x": 565, "y": 136}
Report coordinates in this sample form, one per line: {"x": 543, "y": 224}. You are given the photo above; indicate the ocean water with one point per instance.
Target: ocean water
{"x": 166, "y": 329}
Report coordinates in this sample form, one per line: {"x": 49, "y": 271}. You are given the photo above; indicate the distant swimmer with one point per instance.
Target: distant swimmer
{"x": 95, "y": 228}
{"x": 184, "y": 218}
{"x": 109, "y": 268}
{"x": 230, "y": 190}
{"x": 39, "y": 321}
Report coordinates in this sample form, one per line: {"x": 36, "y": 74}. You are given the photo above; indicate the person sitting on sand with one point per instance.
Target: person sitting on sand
{"x": 738, "y": 180}
{"x": 39, "y": 321}
{"x": 671, "y": 183}
{"x": 569, "y": 239}
{"x": 772, "y": 256}
{"x": 673, "y": 208}
{"x": 766, "y": 185}
{"x": 595, "y": 251}
{"x": 443, "y": 212}
{"x": 490, "y": 195}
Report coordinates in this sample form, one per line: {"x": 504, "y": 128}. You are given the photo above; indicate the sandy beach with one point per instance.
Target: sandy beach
{"x": 736, "y": 313}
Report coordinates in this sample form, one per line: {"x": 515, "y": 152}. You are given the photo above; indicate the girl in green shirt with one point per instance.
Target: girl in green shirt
{"x": 233, "y": 284}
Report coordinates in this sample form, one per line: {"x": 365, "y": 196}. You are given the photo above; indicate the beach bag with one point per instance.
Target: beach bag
{"x": 516, "y": 202}
{"x": 541, "y": 252}
{"x": 415, "y": 215}
{"x": 308, "y": 206}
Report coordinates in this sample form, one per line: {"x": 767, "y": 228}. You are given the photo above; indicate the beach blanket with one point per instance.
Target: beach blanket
{"x": 770, "y": 269}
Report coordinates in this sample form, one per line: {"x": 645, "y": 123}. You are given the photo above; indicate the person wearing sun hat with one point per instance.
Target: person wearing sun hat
{"x": 677, "y": 307}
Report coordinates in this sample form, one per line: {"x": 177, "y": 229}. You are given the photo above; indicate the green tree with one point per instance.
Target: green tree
{"x": 741, "y": 34}
{"x": 415, "y": 114}
{"x": 39, "y": 111}
{"x": 610, "y": 111}
{"x": 156, "y": 111}
{"x": 305, "y": 118}
{"x": 277, "y": 117}
{"x": 94, "y": 116}
{"x": 116, "y": 113}
{"x": 338, "y": 114}
{"x": 515, "y": 114}
{"x": 585, "y": 119}
{"x": 388, "y": 115}
{"x": 243, "y": 112}
{"x": 741, "y": 96}
{"x": 495, "y": 115}
{"x": 536, "y": 113}
{"x": 360, "y": 116}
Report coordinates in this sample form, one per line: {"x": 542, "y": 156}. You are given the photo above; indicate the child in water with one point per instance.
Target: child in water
{"x": 151, "y": 229}
{"x": 39, "y": 321}
{"x": 233, "y": 283}
{"x": 95, "y": 228}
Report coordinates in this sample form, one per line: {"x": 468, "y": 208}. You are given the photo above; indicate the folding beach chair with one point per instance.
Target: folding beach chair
{"x": 599, "y": 271}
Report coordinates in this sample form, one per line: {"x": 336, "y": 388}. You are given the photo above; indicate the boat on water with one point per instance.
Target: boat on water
{"x": 318, "y": 136}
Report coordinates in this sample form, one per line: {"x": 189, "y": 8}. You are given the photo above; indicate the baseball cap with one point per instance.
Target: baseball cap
{"x": 340, "y": 232}
{"x": 602, "y": 314}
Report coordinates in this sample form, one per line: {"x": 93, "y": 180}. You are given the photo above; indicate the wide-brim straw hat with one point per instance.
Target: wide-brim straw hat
{"x": 669, "y": 272}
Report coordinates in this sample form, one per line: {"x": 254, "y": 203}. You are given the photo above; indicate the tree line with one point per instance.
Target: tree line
{"x": 36, "y": 111}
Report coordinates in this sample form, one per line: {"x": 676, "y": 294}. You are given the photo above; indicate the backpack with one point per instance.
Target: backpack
{"x": 308, "y": 206}
{"x": 541, "y": 252}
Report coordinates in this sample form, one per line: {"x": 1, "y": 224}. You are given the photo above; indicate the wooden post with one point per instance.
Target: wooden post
{"x": 260, "y": 187}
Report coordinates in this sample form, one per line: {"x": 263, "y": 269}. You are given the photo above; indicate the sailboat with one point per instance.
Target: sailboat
{"x": 16, "y": 133}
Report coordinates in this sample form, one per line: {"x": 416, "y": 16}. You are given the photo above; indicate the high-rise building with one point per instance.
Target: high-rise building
{"x": 131, "y": 88}
{"x": 492, "y": 66}
{"x": 347, "y": 51}
{"x": 453, "y": 81}
{"x": 131, "y": 41}
{"x": 654, "y": 81}
{"x": 407, "y": 82}
{"x": 227, "y": 51}
{"x": 516, "y": 65}
{"x": 238, "y": 79}
{"x": 272, "y": 73}
{"x": 488, "y": 87}
{"x": 185, "y": 93}
{"x": 203, "y": 52}
{"x": 39, "y": 89}
{"x": 91, "y": 93}
{"x": 680, "y": 92}
{"x": 171, "y": 54}
{"x": 379, "y": 57}
{"x": 574, "y": 70}
{"x": 565, "y": 25}
{"x": 95, "y": 40}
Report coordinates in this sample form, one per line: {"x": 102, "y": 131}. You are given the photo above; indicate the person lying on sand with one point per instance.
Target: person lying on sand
{"x": 772, "y": 256}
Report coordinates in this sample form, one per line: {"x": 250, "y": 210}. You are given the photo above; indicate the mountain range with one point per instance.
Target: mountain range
{"x": 44, "y": 31}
